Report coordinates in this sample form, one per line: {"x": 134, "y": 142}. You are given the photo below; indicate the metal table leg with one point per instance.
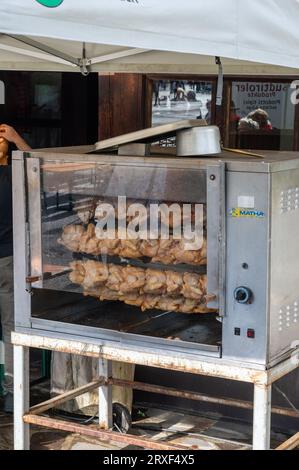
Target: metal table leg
{"x": 261, "y": 417}
{"x": 21, "y": 397}
{"x": 105, "y": 395}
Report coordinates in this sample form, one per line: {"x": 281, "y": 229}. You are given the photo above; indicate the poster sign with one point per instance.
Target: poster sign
{"x": 2, "y": 92}
{"x": 274, "y": 98}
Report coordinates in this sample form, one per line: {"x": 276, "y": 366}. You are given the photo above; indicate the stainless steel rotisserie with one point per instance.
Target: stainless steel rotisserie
{"x": 234, "y": 295}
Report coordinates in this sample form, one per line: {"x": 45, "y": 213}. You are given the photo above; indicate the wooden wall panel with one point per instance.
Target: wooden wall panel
{"x": 122, "y": 104}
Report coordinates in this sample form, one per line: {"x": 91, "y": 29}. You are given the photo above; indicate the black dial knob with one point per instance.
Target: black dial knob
{"x": 243, "y": 295}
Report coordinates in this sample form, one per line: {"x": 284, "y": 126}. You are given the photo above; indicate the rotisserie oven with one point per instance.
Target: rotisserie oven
{"x": 189, "y": 254}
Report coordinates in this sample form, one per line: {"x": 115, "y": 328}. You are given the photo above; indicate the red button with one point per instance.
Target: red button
{"x": 250, "y": 333}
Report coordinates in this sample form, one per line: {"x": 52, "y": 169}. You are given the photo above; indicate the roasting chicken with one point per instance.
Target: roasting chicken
{"x": 77, "y": 274}
{"x": 174, "y": 283}
{"x": 134, "y": 280}
{"x": 164, "y": 254}
{"x": 107, "y": 242}
{"x": 134, "y": 299}
{"x": 192, "y": 306}
{"x": 89, "y": 242}
{"x": 108, "y": 294}
{"x": 129, "y": 279}
{"x": 96, "y": 274}
{"x": 95, "y": 242}
{"x": 155, "y": 282}
{"x": 183, "y": 255}
{"x": 71, "y": 237}
{"x": 192, "y": 288}
{"x": 150, "y": 302}
{"x": 116, "y": 278}
{"x": 147, "y": 289}
{"x": 172, "y": 304}
{"x": 149, "y": 248}
{"x": 130, "y": 249}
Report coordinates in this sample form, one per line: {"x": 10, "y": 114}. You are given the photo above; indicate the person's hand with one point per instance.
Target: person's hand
{"x": 10, "y": 134}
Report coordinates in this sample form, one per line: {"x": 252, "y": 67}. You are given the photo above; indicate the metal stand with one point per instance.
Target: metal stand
{"x": 21, "y": 397}
{"x": 261, "y": 379}
{"x": 261, "y": 417}
{"x": 105, "y": 395}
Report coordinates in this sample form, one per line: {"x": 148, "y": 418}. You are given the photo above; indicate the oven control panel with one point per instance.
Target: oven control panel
{"x": 246, "y": 282}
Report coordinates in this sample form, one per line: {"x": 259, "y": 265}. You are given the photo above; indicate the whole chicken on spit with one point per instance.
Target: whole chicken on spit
{"x": 134, "y": 299}
{"x": 149, "y": 248}
{"x": 183, "y": 255}
{"x": 193, "y": 286}
{"x": 144, "y": 288}
{"x": 150, "y": 302}
{"x": 174, "y": 283}
{"x": 115, "y": 278}
{"x": 108, "y": 294}
{"x": 107, "y": 242}
{"x": 130, "y": 249}
{"x": 134, "y": 280}
{"x": 155, "y": 282}
{"x": 78, "y": 272}
{"x": 71, "y": 237}
{"x": 172, "y": 304}
{"x": 96, "y": 274}
{"x": 89, "y": 242}
{"x": 78, "y": 239}
{"x": 165, "y": 254}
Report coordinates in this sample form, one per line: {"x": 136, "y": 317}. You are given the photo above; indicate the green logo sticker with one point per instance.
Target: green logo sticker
{"x": 50, "y": 3}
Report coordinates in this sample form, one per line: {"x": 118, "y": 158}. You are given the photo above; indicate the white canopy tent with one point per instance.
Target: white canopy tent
{"x": 163, "y": 36}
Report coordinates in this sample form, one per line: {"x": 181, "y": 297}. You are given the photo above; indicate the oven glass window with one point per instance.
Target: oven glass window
{"x": 132, "y": 239}
{"x": 261, "y": 116}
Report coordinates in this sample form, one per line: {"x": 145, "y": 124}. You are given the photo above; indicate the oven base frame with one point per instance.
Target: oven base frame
{"x": 24, "y": 416}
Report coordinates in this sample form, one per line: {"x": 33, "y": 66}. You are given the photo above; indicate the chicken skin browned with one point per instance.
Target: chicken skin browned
{"x": 134, "y": 279}
{"x": 71, "y": 237}
{"x": 96, "y": 274}
{"x": 144, "y": 288}
{"x": 94, "y": 241}
{"x": 174, "y": 283}
{"x": 130, "y": 249}
{"x": 155, "y": 282}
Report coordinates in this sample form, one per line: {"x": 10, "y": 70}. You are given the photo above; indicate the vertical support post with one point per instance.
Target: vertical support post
{"x": 22, "y": 298}
{"x": 21, "y": 397}
{"x": 105, "y": 395}
{"x": 261, "y": 417}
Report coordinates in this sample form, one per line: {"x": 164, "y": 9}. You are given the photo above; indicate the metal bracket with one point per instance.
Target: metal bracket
{"x": 219, "y": 97}
{"x": 32, "y": 279}
{"x": 84, "y": 63}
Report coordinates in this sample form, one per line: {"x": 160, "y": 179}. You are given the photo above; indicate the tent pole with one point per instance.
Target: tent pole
{"x": 47, "y": 49}
{"x": 117, "y": 55}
